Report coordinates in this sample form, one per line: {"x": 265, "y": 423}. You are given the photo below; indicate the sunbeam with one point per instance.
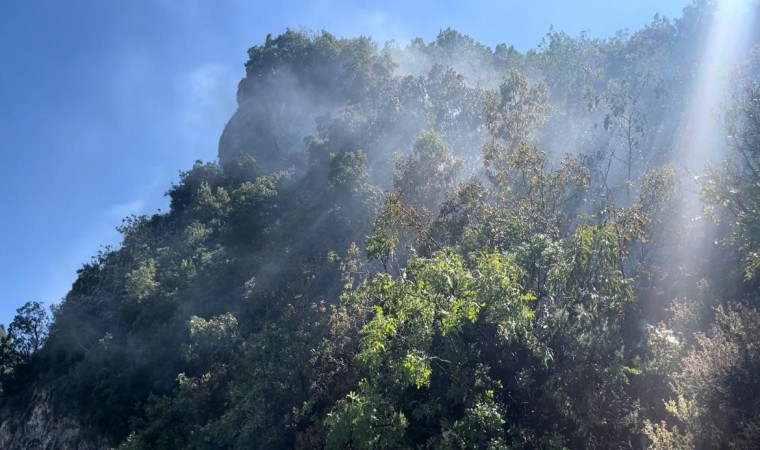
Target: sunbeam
{"x": 702, "y": 139}
{"x": 407, "y": 225}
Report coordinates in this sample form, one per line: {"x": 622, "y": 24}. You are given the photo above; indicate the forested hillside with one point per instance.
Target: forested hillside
{"x": 432, "y": 245}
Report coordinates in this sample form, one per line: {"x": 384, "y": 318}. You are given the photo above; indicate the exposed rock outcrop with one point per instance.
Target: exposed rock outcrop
{"x": 37, "y": 426}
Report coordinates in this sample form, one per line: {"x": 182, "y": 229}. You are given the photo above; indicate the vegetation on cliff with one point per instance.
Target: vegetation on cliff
{"x": 441, "y": 245}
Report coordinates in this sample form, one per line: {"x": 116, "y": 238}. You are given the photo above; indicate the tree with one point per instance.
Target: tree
{"x": 428, "y": 354}
{"x": 9, "y": 358}
{"x": 505, "y": 311}
{"x": 734, "y": 188}
{"x": 711, "y": 403}
{"x": 29, "y": 329}
{"x": 428, "y": 174}
{"x": 512, "y": 114}
{"x": 625, "y": 119}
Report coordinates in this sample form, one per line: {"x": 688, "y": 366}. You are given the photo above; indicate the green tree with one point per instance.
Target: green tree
{"x": 709, "y": 407}
{"x": 9, "y": 358}
{"x": 735, "y": 186}
{"x": 426, "y": 176}
{"x": 425, "y": 355}
{"x": 29, "y": 329}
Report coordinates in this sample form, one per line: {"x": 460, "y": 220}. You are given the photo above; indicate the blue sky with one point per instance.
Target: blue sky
{"x": 103, "y": 102}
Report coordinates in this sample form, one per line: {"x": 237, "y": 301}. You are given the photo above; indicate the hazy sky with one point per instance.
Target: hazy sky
{"x": 103, "y": 102}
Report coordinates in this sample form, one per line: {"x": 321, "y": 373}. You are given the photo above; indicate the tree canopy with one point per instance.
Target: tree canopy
{"x": 441, "y": 246}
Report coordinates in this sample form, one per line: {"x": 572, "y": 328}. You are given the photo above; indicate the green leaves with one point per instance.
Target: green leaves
{"x": 426, "y": 176}
{"x": 517, "y": 107}
{"x": 214, "y": 339}
{"x": 732, "y": 190}
{"x": 504, "y": 312}
{"x": 428, "y": 328}
{"x": 365, "y": 422}
{"x": 141, "y": 283}
{"x": 27, "y": 332}
{"x": 592, "y": 268}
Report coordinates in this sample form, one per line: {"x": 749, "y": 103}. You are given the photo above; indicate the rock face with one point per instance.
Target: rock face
{"x": 290, "y": 82}
{"x": 37, "y": 427}
{"x": 306, "y": 97}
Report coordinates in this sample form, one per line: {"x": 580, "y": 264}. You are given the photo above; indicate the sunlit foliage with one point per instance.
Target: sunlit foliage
{"x": 434, "y": 246}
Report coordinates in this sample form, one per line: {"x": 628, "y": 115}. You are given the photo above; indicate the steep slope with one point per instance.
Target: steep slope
{"x": 436, "y": 246}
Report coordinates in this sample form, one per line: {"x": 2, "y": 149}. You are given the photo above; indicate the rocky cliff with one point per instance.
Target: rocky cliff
{"x": 37, "y": 426}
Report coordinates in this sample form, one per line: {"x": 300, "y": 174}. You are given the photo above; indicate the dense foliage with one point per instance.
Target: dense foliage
{"x": 437, "y": 246}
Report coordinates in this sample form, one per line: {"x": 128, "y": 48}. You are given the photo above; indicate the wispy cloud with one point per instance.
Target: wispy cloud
{"x": 381, "y": 26}
{"x": 205, "y": 98}
{"x": 135, "y": 85}
{"x": 60, "y": 271}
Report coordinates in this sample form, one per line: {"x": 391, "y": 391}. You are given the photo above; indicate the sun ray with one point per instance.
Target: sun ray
{"x": 702, "y": 140}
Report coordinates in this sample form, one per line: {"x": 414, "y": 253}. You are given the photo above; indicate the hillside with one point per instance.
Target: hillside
{"x": 432, "y": 245}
